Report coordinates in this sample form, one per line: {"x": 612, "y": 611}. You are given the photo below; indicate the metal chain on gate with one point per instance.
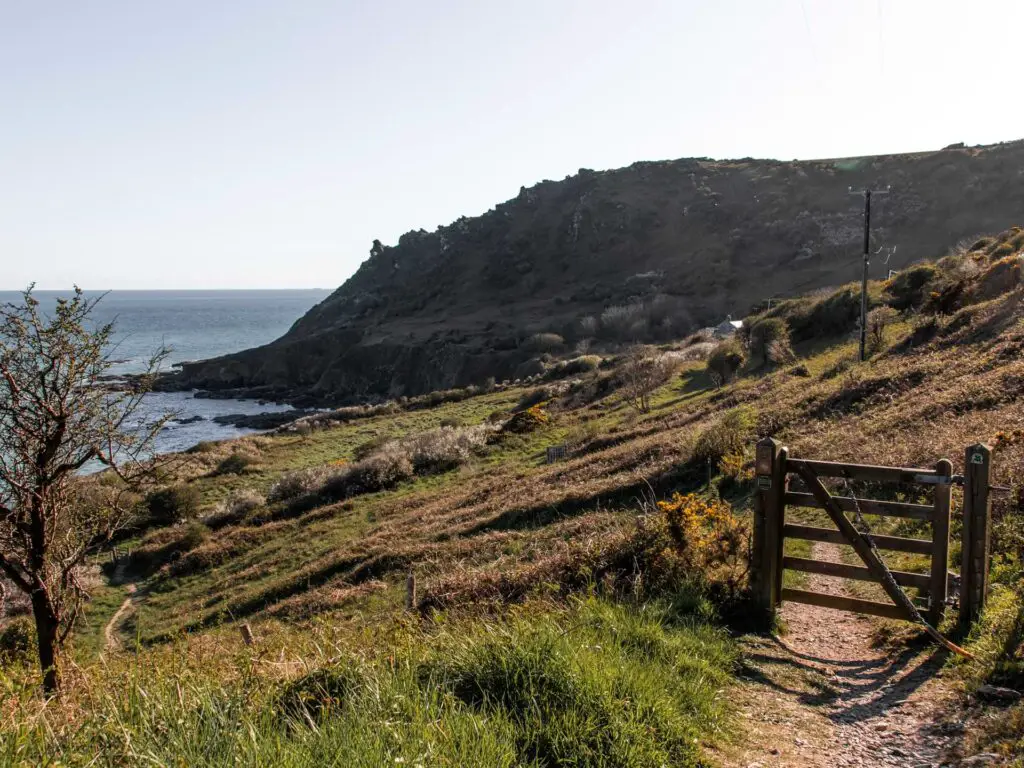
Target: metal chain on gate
{"x": 890, "y": 581}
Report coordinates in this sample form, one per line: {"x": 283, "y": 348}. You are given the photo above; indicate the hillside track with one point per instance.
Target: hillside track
{"x": 822, "y": 695}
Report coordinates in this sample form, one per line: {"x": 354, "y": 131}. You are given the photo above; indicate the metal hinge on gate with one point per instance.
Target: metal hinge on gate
{"x": 955, "y": 480}
{"x": 939, "y": 479}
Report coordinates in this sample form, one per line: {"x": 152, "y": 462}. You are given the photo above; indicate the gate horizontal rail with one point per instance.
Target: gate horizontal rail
{"x": 856, "y": 572}
{"x": 843, "y": 603}
{"x": 865, "y": 471}
{"x": 867, "y": 506}
{"x": 832, "y": 536}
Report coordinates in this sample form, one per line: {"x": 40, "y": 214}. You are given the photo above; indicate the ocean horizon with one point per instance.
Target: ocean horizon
{"x": 195, "y": 324}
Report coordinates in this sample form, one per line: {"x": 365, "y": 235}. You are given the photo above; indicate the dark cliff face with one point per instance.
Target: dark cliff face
{"x": 448, "y": 308}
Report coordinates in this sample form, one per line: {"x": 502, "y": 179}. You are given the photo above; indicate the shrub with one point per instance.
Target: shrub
{"x": 17, "y": 639}
{"x": 908, "y": 288}
{"x": 235, "y": 509}
{"x": 725, "y": 361}
{"x": 534, "y": 397}
{"x": 705, "y": 535}
{"x": 1001, "y": 277}
{"x": 545, "y": 342}
{"x": 574, "y": 367}
{"x": 298, "y": 483}
{"x": 168, "y": 544}
{"x": 174, "y": 503}
{"x": 624, "y": 323}
{"x": 697, "y": 352}
{"x": 728, "y": 435}
{"x": 530, "y": 420}
{"x": 879, "y": 320}
{"x": 384, "y": 469}
{"x": 703, "y": 336}
{"x": 769, "y": 340}
{"x": 640, "y": 374}
{"x": 444, "y": 449}
{"x": 829, "y": 314}
{"x": 589, "y": 327}
{"x": 235, "y": 464}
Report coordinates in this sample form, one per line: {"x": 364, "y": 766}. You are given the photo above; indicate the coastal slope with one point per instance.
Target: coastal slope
{"x": 644, "y": 252}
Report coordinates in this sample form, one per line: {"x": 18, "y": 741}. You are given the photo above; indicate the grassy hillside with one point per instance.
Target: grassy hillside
{"x": 573, "y": 610}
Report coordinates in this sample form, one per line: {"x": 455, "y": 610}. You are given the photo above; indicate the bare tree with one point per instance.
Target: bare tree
{"x": 640, "y": 374}
{"x": 56, "y": 417}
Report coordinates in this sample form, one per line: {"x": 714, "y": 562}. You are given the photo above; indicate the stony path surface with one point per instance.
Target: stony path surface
{"x": 822, "y": 696}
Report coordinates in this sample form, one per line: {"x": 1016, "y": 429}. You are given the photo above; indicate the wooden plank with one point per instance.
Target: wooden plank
{"x": 867, "y": 506}
{"x": 976, "y": 550}
{"x": 939, "y": 588}
{"x": 778, "y": 491}
{"x": 832, "y": 536}
{"x": 865, "y": 548}
{"x": 862, "y": 471}
{"x": 767, "y": 532}
{"x": 842, "y": 603}
{"x": 857, "y": 572}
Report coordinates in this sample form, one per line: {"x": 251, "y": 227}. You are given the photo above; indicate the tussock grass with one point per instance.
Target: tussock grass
{"x": 593, "y": 684}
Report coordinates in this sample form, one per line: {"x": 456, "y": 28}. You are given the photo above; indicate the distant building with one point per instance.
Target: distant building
{"x": 727, "y": 328}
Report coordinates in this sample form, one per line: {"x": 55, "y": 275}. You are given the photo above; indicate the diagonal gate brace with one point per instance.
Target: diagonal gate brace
{"x": 867, "y": 553}
{"x": 860, "y": 545}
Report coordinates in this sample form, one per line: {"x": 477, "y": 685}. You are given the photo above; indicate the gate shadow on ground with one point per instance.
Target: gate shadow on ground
{"x": 868, "y": 685}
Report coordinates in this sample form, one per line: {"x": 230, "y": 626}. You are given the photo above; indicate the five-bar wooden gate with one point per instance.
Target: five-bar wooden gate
{"x": 771, "y": 530}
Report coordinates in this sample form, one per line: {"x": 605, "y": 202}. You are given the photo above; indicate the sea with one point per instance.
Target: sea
{"x": 194, "y": 325}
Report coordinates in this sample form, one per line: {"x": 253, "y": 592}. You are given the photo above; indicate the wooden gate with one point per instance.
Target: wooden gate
{"x": 771, "y": 530}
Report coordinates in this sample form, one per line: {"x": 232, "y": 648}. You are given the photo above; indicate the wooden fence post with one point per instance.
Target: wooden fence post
{"x": 247, "y": 637}
{"x": 766, "y": 565}
{"x": 938, "y": 590}
{"x": 976, "y": 534}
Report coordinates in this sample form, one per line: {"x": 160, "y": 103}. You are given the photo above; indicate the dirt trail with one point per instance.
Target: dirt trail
{"x": 111, "y": 637}
{"x": 822, "y": 696}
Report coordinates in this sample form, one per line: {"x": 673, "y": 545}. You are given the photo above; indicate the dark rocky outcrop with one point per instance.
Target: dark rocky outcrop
{"x": 451, "y": 307}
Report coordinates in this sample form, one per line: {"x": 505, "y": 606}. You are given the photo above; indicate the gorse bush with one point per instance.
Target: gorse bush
{"x": 705, "y": 536}
{"x": 530, "y": 420}
{"x": 177, "y": 502}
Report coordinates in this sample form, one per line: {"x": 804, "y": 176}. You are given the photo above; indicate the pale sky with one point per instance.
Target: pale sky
{"x": 264, "y": 143}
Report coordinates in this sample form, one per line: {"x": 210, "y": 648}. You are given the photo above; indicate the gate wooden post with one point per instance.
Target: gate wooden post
{"x": 976, "y": 534}
{"x": 766, "y": 559}
{"x": 938, "y": 590}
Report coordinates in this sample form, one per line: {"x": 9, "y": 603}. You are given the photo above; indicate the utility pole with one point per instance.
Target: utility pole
{"x": 867, "y": 193}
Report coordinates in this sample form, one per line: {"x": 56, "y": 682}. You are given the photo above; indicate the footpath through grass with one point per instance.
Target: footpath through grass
{"x": 591, "y": 684}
